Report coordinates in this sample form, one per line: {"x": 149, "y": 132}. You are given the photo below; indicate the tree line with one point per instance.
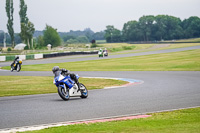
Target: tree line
{"x": 155, "y": 28}
{"x": 147, "y": 28}
{"x": 27, "y": 27}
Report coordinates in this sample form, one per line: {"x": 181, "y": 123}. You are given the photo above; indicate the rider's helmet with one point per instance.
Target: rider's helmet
{"x": 55, "y": 68}
{"x": 17, "y": 57}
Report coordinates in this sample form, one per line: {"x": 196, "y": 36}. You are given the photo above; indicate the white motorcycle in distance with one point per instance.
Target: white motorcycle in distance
{"x": 105, "y": 52}
{"x": 100, "y": 53}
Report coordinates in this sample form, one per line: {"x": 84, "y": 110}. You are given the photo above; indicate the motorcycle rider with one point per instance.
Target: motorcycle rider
{"x": 17, "y": 57}
{"x": 56, "y": 71}
{"x": 100, "y": 50}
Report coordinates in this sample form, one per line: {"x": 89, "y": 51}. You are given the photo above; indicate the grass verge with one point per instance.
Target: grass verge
{"x": 179, "y": 121}
{"x": 189, "y": 40}
{"x": 29, "y": 85}
{"x": 176, "y": 61}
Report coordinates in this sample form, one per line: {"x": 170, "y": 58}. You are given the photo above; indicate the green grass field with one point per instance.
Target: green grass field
{"x": 116, "y": 47}
{"x": 179, "y": 121}
{"x": 29, "y": 85}
{"x": 177, "y": 61}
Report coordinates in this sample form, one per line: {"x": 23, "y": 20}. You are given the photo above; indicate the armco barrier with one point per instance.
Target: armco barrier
{"x": 10, "y": 58}
{"x": 29, "y": 57}
{"x": 38, "y": 56}
{"x": 23, "y": 57}
{"x": 2, "y": 58}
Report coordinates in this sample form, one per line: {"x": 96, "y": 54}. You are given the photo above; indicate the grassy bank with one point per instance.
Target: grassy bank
{"x": 177, "y": 61}
{"x": 116, "y": 47}
{"x": 180, "y": 121}
{"x": 28, "y": 85}
{"x": 189, "y": 40}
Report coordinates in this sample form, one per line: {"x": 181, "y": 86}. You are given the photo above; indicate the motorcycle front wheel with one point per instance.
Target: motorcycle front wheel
{"x": 18, "y": 68}
{"x": 12, "y": 68}
{"x": 84, "y": 91}
{"x": 63, "y": 93}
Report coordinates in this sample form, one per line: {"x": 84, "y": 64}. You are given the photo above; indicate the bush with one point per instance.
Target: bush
{"x": 94, "y": 45}
{"x": 26, "y": 48}
{"x": 128, "y": 47}
{"x": 9, "y": 49}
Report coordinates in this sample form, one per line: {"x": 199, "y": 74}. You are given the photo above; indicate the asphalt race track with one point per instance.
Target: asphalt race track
{"x": 161, "y": 90}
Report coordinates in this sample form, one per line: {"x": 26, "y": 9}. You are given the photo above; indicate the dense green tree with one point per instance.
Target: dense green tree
{"x": 40, "y": 41}
{"x": 146, "y": 26}
{"x": 131, "y": 31}
{"x": 191, "y": 27}
{"x": 67, "y": 37}
{"x": 22, "y": 12}
{"x": 89, "y": 33}
{"x": 174, "y": 29}
{"x": 161, "y": 27}
{"x": 112, "y": 34}
{"x": 30, "y": 32}
{"x": 72, "y": 41}
{"x": 99, "y": 35}
{"x": 27, "y": 31}
{"x": 51, "y": 36}
{"x": 9, "y": 11}
{"x": 82, "y": 39}
{"x": 27, "y": 27}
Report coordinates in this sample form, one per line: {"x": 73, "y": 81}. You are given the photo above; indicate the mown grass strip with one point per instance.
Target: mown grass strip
{"x": 29, "y": 85}
{"x": 176, "y": 61}
{"x": 179, "y": 121}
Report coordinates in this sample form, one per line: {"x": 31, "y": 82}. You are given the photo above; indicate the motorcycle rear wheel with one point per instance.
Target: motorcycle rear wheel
{"x": 84, "y": 91}
{"x": 12, "y": 68}
{"x": 63, "y": 94}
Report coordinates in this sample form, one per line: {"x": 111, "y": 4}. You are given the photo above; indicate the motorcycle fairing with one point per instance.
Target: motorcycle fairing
{"x": 64, "y": 80}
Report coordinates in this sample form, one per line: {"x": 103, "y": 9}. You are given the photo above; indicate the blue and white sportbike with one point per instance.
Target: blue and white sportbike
{"x": 68, "y": 88}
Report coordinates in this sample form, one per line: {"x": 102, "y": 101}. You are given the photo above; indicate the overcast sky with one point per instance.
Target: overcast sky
{"x": 66, "y": 15}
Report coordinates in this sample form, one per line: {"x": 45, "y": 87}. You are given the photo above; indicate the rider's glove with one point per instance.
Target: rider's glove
{"x": 64, "y": 70}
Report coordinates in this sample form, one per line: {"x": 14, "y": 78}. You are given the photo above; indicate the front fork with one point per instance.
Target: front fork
{"x": 65, "y": 88}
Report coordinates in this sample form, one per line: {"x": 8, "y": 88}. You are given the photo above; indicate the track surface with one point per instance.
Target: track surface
{"x": 160, "y": 91}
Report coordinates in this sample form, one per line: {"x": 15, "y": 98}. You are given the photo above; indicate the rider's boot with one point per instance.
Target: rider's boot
{"x": 78, "y": 85}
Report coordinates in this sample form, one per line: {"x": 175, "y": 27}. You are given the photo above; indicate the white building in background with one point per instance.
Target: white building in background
{"x": 20, "y": 46}
{"x": 49, "y": 46}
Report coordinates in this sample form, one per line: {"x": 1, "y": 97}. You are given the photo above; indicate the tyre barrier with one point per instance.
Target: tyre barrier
{"x": 40, "y": 56}
{"x": 68, "y": 53}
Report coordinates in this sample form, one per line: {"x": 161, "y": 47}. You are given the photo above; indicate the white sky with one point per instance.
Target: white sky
{"x": 66, "y": 15}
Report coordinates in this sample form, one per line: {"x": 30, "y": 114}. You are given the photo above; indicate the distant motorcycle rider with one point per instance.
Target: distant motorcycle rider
{"x": 15, "y": 60}
{"x": 56, "y": 71}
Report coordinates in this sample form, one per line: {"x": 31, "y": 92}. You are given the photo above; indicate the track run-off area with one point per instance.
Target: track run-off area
{"x": 156, "y": 91}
